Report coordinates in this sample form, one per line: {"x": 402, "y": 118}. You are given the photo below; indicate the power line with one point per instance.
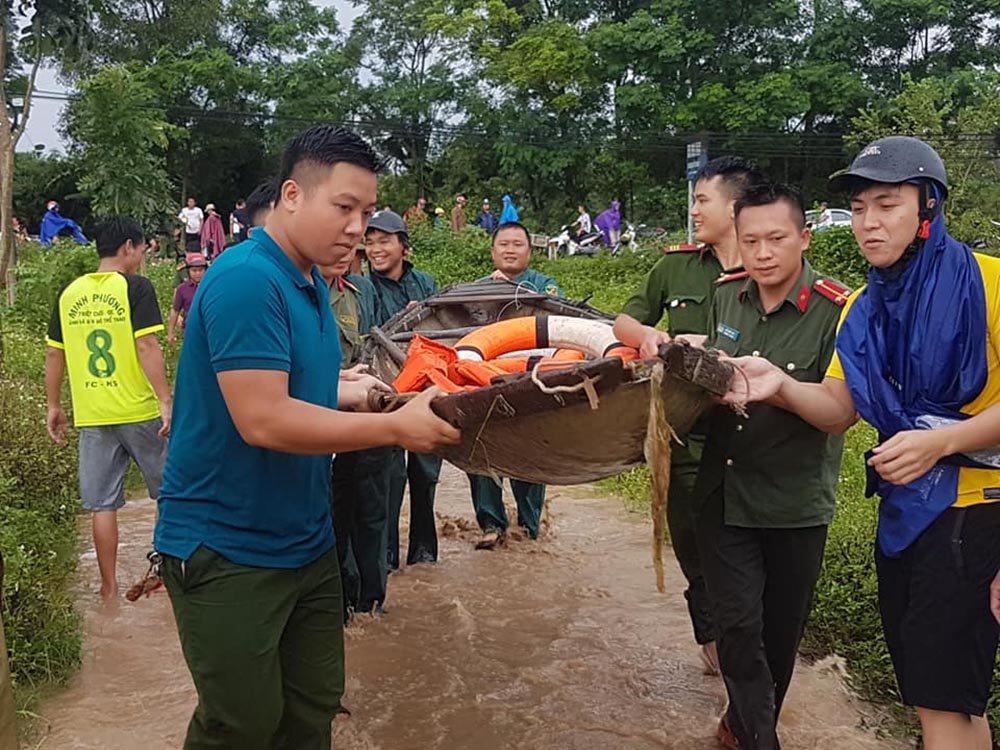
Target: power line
{"x": 762, "y": 144}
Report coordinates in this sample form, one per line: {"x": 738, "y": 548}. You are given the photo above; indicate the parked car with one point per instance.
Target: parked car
{"x": 839, "y": 217}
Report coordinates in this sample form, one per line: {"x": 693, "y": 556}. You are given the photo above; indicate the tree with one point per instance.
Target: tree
{"x": 51, "y": 28}
{"x": 965, "y": 134}
{"x": 122, "y": 137}
{"x": 414, "y": 76}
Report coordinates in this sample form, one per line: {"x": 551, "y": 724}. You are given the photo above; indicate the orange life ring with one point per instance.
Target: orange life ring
{"x": 593, "y": 337}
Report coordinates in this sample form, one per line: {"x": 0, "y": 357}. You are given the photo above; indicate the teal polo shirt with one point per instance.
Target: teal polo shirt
{"x": 254, "y": 311}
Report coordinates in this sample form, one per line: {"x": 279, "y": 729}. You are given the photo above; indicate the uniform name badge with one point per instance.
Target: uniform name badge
{"x": 727, "y": 331}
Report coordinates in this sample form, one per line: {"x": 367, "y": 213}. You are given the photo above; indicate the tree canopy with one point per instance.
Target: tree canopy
{"x": 553, "y": 101}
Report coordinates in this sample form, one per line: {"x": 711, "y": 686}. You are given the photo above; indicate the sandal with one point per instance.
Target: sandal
{"x": 489, "y": 540}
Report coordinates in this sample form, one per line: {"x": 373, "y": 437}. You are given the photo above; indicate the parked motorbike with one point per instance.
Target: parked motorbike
{"x": 627, "y": 239}
{"x": 566, "y": 243}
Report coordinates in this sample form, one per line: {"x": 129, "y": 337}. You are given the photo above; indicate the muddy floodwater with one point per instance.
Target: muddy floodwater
{"x": 562, "y": 643}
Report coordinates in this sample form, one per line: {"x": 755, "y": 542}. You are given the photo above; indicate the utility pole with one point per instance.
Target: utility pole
{"x": 697, "y": 157}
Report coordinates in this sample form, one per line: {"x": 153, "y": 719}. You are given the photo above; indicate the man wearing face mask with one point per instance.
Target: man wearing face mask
{"x": 917, "y": 357}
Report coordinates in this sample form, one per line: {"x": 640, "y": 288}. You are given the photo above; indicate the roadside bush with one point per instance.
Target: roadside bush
{"x": 835, "y": 252}
{"x": 38, "y": 537}
{"x": 41, "y": 275}
{"x": 38, "y": 479}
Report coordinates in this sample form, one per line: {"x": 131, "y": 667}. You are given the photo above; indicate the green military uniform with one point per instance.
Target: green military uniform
{"x": 359, "y": 484}
{"x": 747, "y": 454}
{"x": 420, "y": 470}
{"x": 682, "y": 285}
{"x": 487, "y": 495}
{"x": 765, "y": 495}
{"x": 538, "y": 281}
{"x": 357, "y": 308}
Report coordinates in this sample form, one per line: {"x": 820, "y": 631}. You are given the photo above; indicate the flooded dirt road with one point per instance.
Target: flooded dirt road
{"x": 563, "y": 643}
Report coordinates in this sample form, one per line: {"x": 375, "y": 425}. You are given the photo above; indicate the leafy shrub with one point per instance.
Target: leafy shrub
{"x": 836, "y": 253}
{"x": 41, "y": 275}
{"x": 38, "y": 537}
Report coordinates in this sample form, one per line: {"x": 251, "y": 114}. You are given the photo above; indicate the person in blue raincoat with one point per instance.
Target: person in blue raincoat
{"x": 53, "y": 225}
{"x": 509, "y": 213}
{"x": 918, "y": 358}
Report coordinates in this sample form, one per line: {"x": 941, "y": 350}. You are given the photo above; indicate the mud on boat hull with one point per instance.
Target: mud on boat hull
{"x": 554, "y": 434}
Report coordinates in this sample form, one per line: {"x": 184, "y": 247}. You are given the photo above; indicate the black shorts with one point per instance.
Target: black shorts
{"x": 935, "y": 605}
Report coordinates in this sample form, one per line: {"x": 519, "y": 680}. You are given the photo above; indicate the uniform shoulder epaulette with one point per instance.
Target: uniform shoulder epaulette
{"x": 734, "y": 276}
{"x": 684, "y": 248}
{"x": 836, "y": 293}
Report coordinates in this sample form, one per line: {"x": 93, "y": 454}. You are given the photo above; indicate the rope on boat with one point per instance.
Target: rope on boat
{"x": 516, "y": 302}
{"x": 656, "y": 448}
{"x": 586, "y": 385}
{"x": 477, "y": 442}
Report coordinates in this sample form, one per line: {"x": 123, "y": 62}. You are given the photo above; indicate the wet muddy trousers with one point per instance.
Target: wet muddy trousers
{"x": 359, "y": 502}
{"x": 265, "y": 648}
{"x": 761, "y": 583}
{"x": 681, "y": 520}
{"x": 487, "y": 499}
{"x": 421, "y": 471}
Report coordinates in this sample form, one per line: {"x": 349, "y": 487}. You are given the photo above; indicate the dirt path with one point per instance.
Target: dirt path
{"x": 562, "y": 644}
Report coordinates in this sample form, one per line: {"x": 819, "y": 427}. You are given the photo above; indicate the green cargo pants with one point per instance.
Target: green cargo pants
{"x": 421, "y": 471}
{"x": 265, "y": 647}
{"x": 487, "y": 500}
{"x": 359, "y": 502}
{"x": 681, "y": 513}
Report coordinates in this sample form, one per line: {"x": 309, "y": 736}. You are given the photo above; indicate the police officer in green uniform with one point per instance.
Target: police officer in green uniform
{"x": 397, "y": 284}
{"x": 682, "y": 284}
{"x": 766, "y": 487}
{"x": 511, "y": 256}
{"x": 359, "y": 484}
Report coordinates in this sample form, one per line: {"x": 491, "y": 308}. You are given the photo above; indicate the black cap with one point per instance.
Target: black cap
{"x": 893, "y": 160}
{"x": 389, "y": 222}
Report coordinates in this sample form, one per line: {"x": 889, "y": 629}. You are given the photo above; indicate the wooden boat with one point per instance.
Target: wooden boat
{"x": 568, "y": 426}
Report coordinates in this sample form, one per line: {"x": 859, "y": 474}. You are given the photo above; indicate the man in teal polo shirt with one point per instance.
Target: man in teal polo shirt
{"x": 244, "y": 523}
{"x": 511, "y": 255}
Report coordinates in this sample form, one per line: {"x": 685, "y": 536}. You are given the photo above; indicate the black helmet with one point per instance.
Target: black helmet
{"x": 893, "y": 160}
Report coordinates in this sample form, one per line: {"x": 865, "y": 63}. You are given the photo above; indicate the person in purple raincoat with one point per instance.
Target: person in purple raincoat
{"x": 610, "y": 223}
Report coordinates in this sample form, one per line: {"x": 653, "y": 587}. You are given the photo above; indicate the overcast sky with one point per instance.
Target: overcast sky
{"x": 45, "y": 114}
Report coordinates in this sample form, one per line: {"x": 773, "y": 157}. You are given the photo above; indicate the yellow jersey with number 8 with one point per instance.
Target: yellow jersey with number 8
{"x": 96, "y": 321}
